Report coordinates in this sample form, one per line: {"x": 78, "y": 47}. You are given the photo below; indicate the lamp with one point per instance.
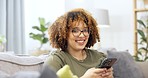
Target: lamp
{"x": 102, "y": 17}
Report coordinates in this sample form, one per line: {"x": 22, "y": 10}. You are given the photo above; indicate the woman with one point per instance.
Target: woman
{"x": 72, "y": 34}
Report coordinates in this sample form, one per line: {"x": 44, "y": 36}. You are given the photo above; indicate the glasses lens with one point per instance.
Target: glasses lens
{"x": 76, "y": 32}
{"x": 85, "y": 31}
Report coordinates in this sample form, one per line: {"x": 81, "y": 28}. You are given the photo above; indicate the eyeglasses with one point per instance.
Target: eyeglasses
{"x": 76, "y": 32}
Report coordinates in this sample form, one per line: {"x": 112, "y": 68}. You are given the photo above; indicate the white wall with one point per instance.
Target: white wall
{"x": 48, "y": 9}
{"x": 119, "y": 35}
{"x": 2, "y": 17}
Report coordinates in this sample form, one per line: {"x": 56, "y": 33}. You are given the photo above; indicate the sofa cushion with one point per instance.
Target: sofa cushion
{"x": 4, "y": 75}
{"x": 47, "y": 72}
{"x": 144, "y": 68}
{"x": 26, "y": 74}
{"x": 125, "y": 66}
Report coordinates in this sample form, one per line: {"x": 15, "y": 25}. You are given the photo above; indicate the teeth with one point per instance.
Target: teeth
{"x": 80, "y": 41}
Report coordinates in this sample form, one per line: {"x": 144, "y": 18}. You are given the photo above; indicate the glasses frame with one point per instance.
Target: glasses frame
{"x": 86, "y": 34}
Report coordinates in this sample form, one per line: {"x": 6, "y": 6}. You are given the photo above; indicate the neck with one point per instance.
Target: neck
{"x": 78, "y": 54}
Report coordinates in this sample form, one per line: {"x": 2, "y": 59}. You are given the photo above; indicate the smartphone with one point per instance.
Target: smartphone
{"x": 107, "y": 63}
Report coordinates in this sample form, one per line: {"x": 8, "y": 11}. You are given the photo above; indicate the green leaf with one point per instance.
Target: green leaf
{"x": 142, "y": 23}
{"x": 45, "y": 40}
{"x": 139, "y": 53}
{"x": 143, "y": 39}
{"x": 2, "y": 39}
{"x": 137, "y": 58}
{"x": 141, "y": 42}
{"x": 42, "y": 22}
{"x": 142, "y": 49}
{"x": 146, "y": 58}
{"x": 36, "y": 27}
{"x": 141, "y": 33}
{"x": 30, "y": 33}
{"x": 36, "y": 37}
{"x": 43, "y": 28}
{"x": 147, "y": 22}
{"x": 147, "y": 40}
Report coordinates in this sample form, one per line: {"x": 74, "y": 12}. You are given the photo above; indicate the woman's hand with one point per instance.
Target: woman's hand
{"x": 98, "y": 73}
{"x": 108, "y": 73}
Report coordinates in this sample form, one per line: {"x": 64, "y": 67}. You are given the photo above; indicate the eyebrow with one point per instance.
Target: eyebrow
{"x": 78, "y": 27}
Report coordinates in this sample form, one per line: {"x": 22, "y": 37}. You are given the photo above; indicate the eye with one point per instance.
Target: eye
{"x": 85, "y": 30}
{"x": 75, "y": 30}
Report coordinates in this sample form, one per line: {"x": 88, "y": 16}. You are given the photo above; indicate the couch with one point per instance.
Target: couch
{"x": 126, "y": 66}
{"x": 144, "y": 68}
{"x": 11, "y": 65}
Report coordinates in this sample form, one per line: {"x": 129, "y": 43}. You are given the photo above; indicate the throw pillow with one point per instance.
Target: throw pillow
{"x": 125, "y": 66}
{"x": 65, "y": 72}
{"x": 47, "y": 72}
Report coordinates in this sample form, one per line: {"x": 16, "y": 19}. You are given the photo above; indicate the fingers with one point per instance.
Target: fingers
{"x": 108, "y": 73}
{"x": 93, "y": 73}
{"x": 110, "y": 69}
{"x": 100, "y": 73}
{"x": 97, "y": 70}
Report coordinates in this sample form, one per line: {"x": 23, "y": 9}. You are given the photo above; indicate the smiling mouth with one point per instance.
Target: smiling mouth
{"x": 80, "y": 41}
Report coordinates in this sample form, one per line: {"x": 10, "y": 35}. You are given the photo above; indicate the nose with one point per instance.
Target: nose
{"x": 81, "y": 34}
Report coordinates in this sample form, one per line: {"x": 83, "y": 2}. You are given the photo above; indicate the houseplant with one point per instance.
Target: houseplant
{"x": 2, "y": 42}
{"x": 41, "y": 36}
{"x": 142, "y": 54}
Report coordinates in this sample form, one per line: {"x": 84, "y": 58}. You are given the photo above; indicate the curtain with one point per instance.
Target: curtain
{"x": 12, "y": 24}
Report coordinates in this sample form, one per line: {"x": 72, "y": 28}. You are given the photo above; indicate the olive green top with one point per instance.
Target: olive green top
{"x": 59, "y": 58}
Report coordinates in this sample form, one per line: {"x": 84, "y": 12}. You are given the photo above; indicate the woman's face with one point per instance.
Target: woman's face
{"x": 78, "y": 36}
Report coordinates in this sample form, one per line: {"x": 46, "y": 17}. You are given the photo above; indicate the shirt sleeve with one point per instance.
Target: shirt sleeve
{"x": 100, "y": 55}
{"x": 54, "y": 61}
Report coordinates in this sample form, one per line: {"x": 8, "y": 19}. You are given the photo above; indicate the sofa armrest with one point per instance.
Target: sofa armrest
{"x": 144, "y": 68}
{"x": 11, "y": 64}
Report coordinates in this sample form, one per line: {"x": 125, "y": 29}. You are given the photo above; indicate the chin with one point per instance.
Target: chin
{"x": 80, "y": 47}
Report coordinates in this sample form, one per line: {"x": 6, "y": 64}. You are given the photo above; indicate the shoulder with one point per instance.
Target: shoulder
{"x": 95, "y": 53}
{"x": 56, "y": 59}
{"x": 58, "y": 53}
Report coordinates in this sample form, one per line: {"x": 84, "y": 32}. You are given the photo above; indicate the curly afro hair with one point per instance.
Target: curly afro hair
{"x": 58, "y": 31}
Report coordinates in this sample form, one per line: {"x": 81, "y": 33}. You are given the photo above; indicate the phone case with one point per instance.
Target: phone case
{"x": 107, "y": 63}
